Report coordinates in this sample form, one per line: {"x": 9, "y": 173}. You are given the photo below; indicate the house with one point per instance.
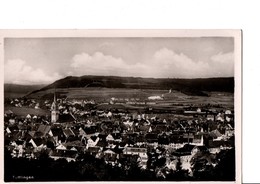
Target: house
{"x": 199, "y": 149}
{"x": 38, "y": 143}
{"x": 187, "y": 137}
{"x": 87, "y": 130}
{"x": 198, "y": 139}
{"x": 117, "y": 137}
{"x": 110, "y": 156}
{"x": 110, "y": 138}
{"x": 185, "y": 155}
{"x": 140, "y": 139}
{"x": 61, "y": 147}
{"x": 12, "y": 129}
{"x": 8, "y": 130}
{"x": 92, "y": 141}
{"x": 75, "y": 145}
{"x": 143, "y": 129}
{"x": 163, "y": 139}
{"x": 171, "y": 163}
{"x": 68, "y": 133}
{"x": 18, "y": 148}
{"x": 220, "y": 117}
{"x": 215, "y": 134}
{"x": 229, "y": 130}
{"x": 44, "y": 129}
{"x": 151, "y": 138}
{"x": 58, "y": 135}
{"x": 111, "y": 159}
{"x": 66, "y": 118}
{"x": 95, "y": 151}
{"x": 126, "y": 160}
{"x": 141, "y": 152}
{"x": 69, "y": 155}
{"x": 108, "y": 152}
{"x": 155, "y": 98}
{"x": 214, "y": 146}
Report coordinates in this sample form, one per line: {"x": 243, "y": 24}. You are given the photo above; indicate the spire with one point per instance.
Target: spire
{"x": 54, "y": 95}
{"x": 53, "y": 106}
{"x": 54, "y": 111}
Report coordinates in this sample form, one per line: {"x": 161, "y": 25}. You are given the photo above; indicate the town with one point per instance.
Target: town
{"x": 158, "y": 141}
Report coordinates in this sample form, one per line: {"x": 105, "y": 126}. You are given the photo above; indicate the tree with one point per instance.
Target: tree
{"x": 179, "y": 174}
{"x": 225, "y": 170}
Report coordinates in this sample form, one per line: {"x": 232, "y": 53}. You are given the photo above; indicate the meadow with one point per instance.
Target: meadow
{"x": 172, "y": 99}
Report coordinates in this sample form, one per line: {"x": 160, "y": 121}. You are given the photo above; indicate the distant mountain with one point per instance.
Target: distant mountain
{"x": 187, "y": 86}
{"x": 16, "y": 90}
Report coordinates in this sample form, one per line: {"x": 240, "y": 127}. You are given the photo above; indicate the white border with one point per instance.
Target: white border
{"x": 145, "y": 33}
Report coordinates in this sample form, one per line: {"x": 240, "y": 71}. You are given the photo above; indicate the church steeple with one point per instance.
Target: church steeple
{"x": 54, "y": 111}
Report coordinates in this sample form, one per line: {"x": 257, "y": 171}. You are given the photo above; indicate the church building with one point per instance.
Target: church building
{"x": 54, "y": 111}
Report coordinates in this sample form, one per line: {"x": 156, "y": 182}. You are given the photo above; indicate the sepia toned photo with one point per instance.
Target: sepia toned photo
{"x": 122, "y": 105}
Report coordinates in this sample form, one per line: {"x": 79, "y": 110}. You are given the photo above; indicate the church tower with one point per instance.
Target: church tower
{"x": 54, "y": 111}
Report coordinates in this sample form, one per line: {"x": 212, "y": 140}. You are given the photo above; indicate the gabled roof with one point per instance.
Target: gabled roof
{"x": 144, "y": 128}
{"x": 90, "y": 129}
{"x": 215, "y": 134}
{"x": 68, "y": 132}
{"x": 13, "y": 128}
{"x": 161, "y": 128}
{"x": 64, "y": 118}
{"x": 38, "y": 134}
{"x": 73, "y": 138}
{"x": 19, "y": 142}
{"x": 102, "y": 143}
{"x": 29, "y": 135}
{"x": 23, "y": 127}
{"x": 109, "y": 151}
{"x": 76, "y": 143}
{"x": 56, "y": 131}
{"x": 39, "y": 141}
{"x": 44, "y": 129}
{"x": 94, "y": 138}
{"x": 109, "y": 137}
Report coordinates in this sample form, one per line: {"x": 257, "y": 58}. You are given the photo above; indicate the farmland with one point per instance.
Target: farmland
{"x": 173, "y": 99}
{"x": 23, "y": 111}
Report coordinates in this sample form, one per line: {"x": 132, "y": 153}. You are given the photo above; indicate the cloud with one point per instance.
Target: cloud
{"x": 168, "y": 63}
{"x": 97, "y": 64}
{"x": 223, "y": 64}
{"x": 162, "y": 64}
{"x": 17, "y": 72}
{"x": 177, "y": 65}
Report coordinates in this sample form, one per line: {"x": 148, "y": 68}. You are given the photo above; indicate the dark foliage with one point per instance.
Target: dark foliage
{"x": 187, "y": 86}
{"x": 89, "y": 168}
{"x": 223, "y": 171}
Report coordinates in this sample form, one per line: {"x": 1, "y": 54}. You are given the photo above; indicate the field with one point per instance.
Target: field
{"x": 170, "y": 100}
{"x": 98, "y": 93}
{"x": 24, "y": 111}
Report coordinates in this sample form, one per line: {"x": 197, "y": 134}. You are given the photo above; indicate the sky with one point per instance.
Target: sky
{"x": 45, "y": 60}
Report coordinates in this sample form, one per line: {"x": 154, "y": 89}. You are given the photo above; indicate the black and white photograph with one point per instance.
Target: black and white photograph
{"x": 122, "y": 106}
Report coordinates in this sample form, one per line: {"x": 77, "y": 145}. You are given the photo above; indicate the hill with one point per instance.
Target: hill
{"x": 194, "y": 87}
{"x": 16, "y": 90}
